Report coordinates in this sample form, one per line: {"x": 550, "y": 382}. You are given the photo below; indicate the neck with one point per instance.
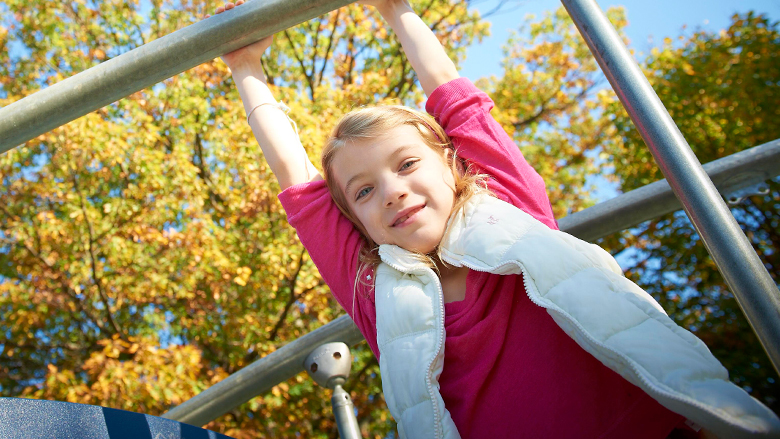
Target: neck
{"x": 453, "y": 281}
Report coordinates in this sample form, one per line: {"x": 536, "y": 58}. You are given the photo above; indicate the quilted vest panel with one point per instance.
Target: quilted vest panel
{"x": 410, "y": 337}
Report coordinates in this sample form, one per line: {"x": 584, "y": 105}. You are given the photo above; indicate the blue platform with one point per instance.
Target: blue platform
{"x": 34, "y": 419}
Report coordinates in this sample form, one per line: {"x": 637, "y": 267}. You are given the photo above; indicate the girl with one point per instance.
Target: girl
{"x": 543, "y": 337}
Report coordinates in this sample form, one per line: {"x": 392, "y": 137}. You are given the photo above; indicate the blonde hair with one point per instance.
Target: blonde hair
{"x": 372, "y": 122}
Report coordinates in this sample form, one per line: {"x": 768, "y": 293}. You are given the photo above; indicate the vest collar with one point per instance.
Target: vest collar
{"x": 400, "y": 259}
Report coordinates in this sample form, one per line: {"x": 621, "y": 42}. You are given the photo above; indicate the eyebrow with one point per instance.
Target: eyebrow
{"x": 352, "y": 180}
{"x": 397, "y": 151}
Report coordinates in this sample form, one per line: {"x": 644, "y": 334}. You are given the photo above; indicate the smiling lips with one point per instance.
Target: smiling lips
{"x": 405, "y": 214}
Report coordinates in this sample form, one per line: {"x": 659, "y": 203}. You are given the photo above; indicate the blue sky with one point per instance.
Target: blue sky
{"x": 649, "y": 21}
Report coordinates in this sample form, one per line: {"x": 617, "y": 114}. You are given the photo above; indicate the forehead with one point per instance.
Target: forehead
{"x": 362, "y": 156}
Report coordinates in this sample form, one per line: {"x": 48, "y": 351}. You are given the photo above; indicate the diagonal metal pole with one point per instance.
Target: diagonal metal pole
{"x": 151, "y": 63}
{"x": 739, "y": 264}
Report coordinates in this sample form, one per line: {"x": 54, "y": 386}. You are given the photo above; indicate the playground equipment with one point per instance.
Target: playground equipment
{"x": 743, "y": 271}
{"x": 329, "y": 366}
{"x": 39, "y": 419}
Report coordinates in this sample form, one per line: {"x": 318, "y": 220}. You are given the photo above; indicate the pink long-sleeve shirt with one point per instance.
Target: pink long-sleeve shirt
{"x": 509, "y": 370}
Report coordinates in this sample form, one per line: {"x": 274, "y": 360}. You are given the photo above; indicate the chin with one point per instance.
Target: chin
{"x": 424, "y": 249}
{"x": 420, "y": 244}
{"x": 429, "y": 244}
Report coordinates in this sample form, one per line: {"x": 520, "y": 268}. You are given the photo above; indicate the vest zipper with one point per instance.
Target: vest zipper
{"x": 437, "y": 427}
{"x": 530, "y": 286}
{"x": 439, "y": 341}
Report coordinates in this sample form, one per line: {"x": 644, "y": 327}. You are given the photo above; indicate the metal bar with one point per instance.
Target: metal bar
{"x": 735, "y": 172}
{"x": 344, "y": 412}
{"x": 151, "y": 63}
{"x": 260, "y": 376}
{"x": 739, "y": 264}
{"x": 731, "y": 173}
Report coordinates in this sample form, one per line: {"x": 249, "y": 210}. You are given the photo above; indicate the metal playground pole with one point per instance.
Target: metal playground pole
{"x": 151, "y": 63}
{"x": 739, "y": 264}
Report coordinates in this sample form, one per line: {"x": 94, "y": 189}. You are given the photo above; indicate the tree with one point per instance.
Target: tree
{"x": 143, "y": 253}
{"x": 723, "y": 91}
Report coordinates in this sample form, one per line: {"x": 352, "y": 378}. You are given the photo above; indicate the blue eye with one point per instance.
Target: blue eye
{"x": 363, "y": 192}
{"x": 408, "y": 165}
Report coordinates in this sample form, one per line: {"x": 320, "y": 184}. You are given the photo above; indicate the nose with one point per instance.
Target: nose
{"x": 394, "y": 193}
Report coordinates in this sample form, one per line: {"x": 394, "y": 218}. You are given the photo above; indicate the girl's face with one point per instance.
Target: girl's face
{"x": 400, "y": 189}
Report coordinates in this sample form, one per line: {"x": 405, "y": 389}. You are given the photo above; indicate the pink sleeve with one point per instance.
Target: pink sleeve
{"x": 464, "y": 113}
{"x": 334, "y": 244}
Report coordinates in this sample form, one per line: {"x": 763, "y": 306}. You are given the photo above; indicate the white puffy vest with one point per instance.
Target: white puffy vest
{"x": 582, "y": 288}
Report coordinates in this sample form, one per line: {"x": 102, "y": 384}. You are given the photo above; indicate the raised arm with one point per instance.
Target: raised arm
{"x": 422, "y": 48}
{"x": 280, "y": 144}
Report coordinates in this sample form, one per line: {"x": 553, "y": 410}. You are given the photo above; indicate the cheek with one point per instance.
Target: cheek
{"x": 444, "y": 174}
{"x": 371, "y": 224}
{"x": 448, "y": 179}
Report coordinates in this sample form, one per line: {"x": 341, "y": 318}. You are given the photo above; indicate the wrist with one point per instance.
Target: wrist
{"x": 243, "y": 70}
{"x": 245, "y": 67}
{"x": 393, "y": 8}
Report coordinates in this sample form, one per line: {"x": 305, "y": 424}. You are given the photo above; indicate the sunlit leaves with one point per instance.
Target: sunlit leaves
{"x": 551, "y": 99}
{"x": 143, "y": 253}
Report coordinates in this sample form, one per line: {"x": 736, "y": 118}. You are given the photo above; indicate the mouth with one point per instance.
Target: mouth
{"x": 405, "y": 215}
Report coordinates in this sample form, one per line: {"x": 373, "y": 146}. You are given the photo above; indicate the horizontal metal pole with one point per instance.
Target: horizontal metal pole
{"x": 729, "y": 174}
{"x": 260, "y": 376}
{"x": 742, "y": 269}
{"x": 151, "y": 63}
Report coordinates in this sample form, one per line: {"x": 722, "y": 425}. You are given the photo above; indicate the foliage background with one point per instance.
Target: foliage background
{"x": 143, "y": 253}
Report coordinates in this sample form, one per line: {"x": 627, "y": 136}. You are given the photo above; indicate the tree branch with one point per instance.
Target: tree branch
{"x": 95, "y": 277}
{"x": 330, "y": 46}
{"x": 293, "y": 297}
{"x": 395, "y": 90}
{"x": 217, "y": 202}
{"x": 543, "y": 111}
{"x": 306, "y": 74}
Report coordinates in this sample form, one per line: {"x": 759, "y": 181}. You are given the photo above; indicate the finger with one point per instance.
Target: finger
{"x": 208, "y": 15}
{"x": 220, "y": 9}
{"x": 239, "y": 2}
{"x": 229, "y": 6}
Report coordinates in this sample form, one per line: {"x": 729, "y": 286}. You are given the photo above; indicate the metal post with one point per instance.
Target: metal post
{"x": 151, "y": 63}
{"x": 260, "y": 376}
{"x": 344, "y": 412}
{"x": 739, "y": 264}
